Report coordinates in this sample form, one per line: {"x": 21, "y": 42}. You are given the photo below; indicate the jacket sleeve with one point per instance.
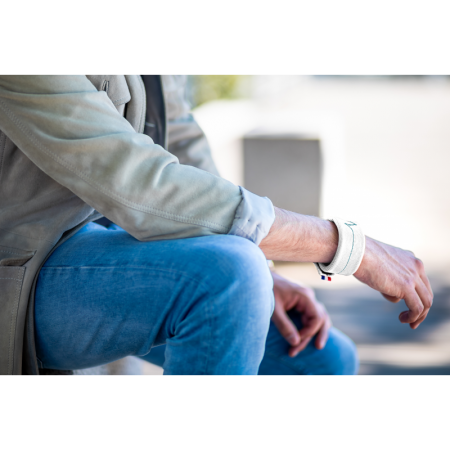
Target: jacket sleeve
{"x": 254, "y": 215}
{"x": 186, "y": 139}
{"x": 75, "y": 135}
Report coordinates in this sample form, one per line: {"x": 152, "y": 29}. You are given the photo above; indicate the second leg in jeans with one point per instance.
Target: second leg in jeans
{"x": 338, "y": 357}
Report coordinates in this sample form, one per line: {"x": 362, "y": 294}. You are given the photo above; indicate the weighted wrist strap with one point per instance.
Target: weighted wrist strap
{"x": 350, "y": 251}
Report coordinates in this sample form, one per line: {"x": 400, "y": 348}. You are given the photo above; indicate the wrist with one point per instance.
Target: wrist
{"x": 362, "y": 272}
{"x": 331, "y": 242}
{"x": 350, "y": 251}
{"x": 296, "y": 237}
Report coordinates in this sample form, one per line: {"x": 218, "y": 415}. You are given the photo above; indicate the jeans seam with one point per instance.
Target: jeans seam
{"x": 208, "y": 347}
{"x": 208, "y": 320}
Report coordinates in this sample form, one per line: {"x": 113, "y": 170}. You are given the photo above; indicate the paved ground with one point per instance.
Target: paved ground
{"x": 387, "y": 347}
{"x": 151, "y": 369}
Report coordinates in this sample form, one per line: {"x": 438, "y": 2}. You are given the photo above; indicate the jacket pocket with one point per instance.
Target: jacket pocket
{"x": 116, "y": 88}
{"x": 11, "y": 279}
{"x": 14, "y": 257}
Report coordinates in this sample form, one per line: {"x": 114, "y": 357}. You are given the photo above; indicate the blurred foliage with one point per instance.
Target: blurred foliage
{"x": 204, "y": 88}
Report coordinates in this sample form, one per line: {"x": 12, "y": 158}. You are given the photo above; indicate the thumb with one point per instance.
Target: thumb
{"x": 286, "y": 327}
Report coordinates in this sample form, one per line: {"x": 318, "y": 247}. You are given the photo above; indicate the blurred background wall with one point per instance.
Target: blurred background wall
{"x": 390, "y": 139}
{"x": 385, "y": 143}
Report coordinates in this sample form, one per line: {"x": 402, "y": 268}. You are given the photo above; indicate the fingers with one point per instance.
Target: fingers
{"x": 313, "y": 314}
{"x": 320, "y": 342}
{"x": 418, "y": 301}
{"x": 415, "y": 324}
{"x": 418, "y": 297}
{"x": 308, "y": 307}
{"x": 426, "y": 295}
{"x": 322, "y": 335}
{"x": 427, "y": 284}
{"x": 415, "y": 306}
{"x": 313, "y": 323}
{"x": 397, "y": 274}
{"x": 294, "y": 351}
{"x": 285, "y": 326}
{"x": 391, "y": 299}
{"x": 426, "y": 291}
{"x": 318, "y": 324}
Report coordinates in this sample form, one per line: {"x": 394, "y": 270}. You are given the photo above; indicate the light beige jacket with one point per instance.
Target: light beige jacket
{"x": 68, "y": 156}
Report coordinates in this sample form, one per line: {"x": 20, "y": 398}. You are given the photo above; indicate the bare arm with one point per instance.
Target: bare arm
{"x": 394, "y": 272}
{"x": 295, "y": 237}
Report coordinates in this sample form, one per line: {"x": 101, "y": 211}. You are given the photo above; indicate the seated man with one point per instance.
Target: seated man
{"x": 182, "y": 259}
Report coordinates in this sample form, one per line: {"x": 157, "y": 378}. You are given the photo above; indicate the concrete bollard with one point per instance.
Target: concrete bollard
{"x": 287, "y": 168}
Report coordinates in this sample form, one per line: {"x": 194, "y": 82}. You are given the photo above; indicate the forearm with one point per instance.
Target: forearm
{"x": 394, "y": 272}
{"x": 296, "y": 237}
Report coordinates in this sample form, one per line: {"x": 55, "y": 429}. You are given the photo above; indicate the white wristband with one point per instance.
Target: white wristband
{"x": 350, "y": 251}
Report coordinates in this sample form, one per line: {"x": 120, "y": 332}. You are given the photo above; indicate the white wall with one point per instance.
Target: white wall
{"x": 390, "y": 140}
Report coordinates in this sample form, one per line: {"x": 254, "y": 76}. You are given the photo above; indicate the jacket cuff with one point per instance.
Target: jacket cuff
{"x": 254, "y": 217}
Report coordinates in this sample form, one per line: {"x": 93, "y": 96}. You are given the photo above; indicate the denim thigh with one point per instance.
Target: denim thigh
{"x": 103, "y": 295}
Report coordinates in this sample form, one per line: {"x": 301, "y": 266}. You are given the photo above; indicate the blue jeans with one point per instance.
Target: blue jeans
{"x": 103, "y": 295}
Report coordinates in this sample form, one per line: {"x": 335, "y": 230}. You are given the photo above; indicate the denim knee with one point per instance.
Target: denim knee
{"x": 243, "y": 286}
{"x": 227, "y": 322}
{"x": 243, "y": 268}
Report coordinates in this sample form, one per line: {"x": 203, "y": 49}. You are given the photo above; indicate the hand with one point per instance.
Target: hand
{"x": 315, "y": 318}
{"x": 397, "y": 274}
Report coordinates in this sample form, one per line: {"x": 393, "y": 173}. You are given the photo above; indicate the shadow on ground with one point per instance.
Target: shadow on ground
{"x": 386, "y": 346}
